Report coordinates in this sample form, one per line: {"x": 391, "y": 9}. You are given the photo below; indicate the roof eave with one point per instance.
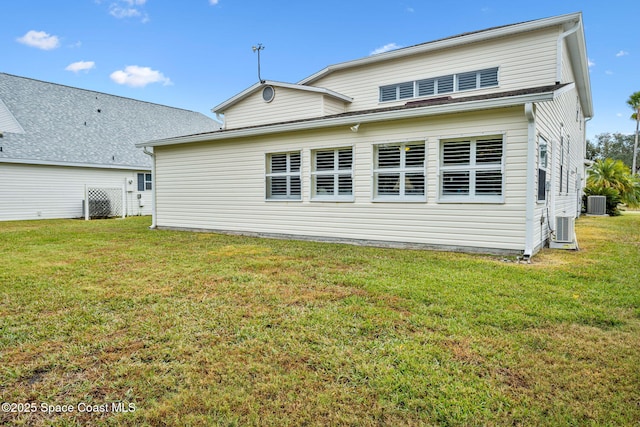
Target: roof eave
{"x": 369, "y": 117}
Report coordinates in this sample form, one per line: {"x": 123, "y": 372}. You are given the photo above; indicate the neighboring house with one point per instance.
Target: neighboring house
{"x": 474, "y": 142}
{"x": 56, "y": 139}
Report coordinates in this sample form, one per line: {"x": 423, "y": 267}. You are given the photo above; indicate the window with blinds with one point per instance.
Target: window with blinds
{"x": 472, "y": 169}
{"x": 399, "y": 171}
{"x": 440, "y": 85}
{"x": 283, "y": 180}
{"x": 332, "y": 174}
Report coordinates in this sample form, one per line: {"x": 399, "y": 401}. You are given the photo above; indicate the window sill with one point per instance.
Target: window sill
{"x": 476, "y": 201}
{"x": 399, "y": 200}
{"x": 332, "y": 200}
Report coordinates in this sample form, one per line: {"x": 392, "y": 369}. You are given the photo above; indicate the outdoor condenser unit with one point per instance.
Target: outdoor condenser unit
{"x": 596, "y": 205}
{"x": 564, "y": 229}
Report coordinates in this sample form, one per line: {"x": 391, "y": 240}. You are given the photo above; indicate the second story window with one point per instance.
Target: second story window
{"x": 440, "y": 85}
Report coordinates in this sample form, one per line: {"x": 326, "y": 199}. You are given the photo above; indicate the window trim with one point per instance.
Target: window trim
{"x": 147, "y": 184}
{"x": 542, "y": 141}
{"x": 402, "y": 170}
{"x": 288, "y": 174}
{"x": 400, "y": 88}
{"x": 336, "y": 172}
{"x": 472, "y": 167}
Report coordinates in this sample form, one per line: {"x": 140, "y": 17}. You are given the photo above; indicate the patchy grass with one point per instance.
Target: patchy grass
{"x": 206, "y": 329}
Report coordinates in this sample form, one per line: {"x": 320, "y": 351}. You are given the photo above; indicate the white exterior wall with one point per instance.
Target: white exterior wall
{"x": 562, "y": 119}
{"x": 525, "y": 61}
{"x": 46, "y": 192}
{"x": 221, "y": 186}
{"x": 288, "y": 104}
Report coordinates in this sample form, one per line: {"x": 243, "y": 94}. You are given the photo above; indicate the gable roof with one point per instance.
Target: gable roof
{"x": 64, "y": 125}
{"x": 414, "y": 109}
{"x": 253, "y": 89}
{"x": 576, "y": 42}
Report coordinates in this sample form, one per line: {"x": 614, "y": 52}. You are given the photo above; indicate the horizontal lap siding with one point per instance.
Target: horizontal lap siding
{"x": 221, "y": 186}
{"x": 288, "y": 104}
{"x": 526, "y": 60}
{"x": 39, "y": 192}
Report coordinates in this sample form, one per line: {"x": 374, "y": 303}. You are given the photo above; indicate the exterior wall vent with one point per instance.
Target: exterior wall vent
{"x": 564, "y": 229}
{"x": 596, "y": 205}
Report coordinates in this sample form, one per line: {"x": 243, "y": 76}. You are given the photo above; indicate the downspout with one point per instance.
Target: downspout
{"x": 153, "y": 187}
{"x": 559, "y": 50}
{"x": 529, "y": 113}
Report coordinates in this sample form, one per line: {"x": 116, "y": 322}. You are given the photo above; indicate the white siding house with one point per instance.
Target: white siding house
{"x": 55, "y": 140}
{"x": 474, "y": 143}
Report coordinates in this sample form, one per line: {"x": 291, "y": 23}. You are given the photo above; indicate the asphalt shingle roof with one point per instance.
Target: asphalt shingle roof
{"x": 67, "y": 125}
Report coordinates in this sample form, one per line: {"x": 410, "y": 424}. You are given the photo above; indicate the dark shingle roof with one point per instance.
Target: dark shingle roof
{"x": 66, "y": 125}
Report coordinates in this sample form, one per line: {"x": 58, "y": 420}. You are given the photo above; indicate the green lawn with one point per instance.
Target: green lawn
{"x": 202, "y": 329}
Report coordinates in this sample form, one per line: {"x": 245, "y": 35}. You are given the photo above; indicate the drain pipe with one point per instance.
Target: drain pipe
{"x": 559, "y": 50}
{"x": 153, "y": 187}
{"x": 529, "y": 113}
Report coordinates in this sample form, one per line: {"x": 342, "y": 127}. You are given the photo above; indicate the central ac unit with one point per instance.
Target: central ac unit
{"x": 564, "y": 229}
{"x": 596, "y": 205}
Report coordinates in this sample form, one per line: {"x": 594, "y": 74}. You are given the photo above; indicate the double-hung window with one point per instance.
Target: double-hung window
{"x": 332, "y": 174}
{"x": 399, "y": 171}
{"x": 471, "y": 169}
{"x": 283, "y": 176}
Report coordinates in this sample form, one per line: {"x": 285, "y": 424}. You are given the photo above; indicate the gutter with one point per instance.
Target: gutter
{"x": 154, "y": 224}
{"x": 529, "y": 112}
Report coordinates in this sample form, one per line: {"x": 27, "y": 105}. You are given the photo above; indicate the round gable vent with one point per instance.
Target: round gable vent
{"x": 268, "y": 93}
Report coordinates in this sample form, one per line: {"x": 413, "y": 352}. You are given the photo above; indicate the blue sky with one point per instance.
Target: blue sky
{"x": 195, "y": 54}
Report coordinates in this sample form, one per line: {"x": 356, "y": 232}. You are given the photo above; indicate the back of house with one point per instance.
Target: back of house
{"x": 475, "y": 142}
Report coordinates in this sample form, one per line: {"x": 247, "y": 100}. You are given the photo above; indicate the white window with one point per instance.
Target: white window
{"x": 543, "y": 159}
{"x": 471, "y": 169}
{"x": 144, "y": 182}
{"x": 283, "y": 176}
{"x": 439, "y": 85}
{"x": 332, "y": 174}
{"x": 399, "y": 171}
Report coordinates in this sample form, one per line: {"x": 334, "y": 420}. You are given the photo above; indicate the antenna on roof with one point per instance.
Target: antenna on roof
{"x": 258, "y": 48}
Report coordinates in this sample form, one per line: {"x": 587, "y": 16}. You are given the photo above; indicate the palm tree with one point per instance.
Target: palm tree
{"x": 634, "y": 103}
{"x": 613, "y": 179}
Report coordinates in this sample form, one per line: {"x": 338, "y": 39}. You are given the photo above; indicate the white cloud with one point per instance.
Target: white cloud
{"x": 213, "y": 2}
{"x": 136, "y": 76}
{"x": 386, "y": 48}
{"x": 609, "y": 73}
{"x": 40, "y": 39}
{"x": 590, "y": 63}
{"x": 81, "y": 66}
{"x": 410, "y": 10}
{"x": 127, "y": 9}
{"x": 622, "y": 53}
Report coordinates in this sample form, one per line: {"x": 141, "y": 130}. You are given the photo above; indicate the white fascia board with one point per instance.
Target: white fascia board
{"x": 74, "y": 165}
{"x": 245, "y": 93}
{"x": 578, "y": 56}
{"x": 349, "y": 120}
{"x": 448, "y": 43}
